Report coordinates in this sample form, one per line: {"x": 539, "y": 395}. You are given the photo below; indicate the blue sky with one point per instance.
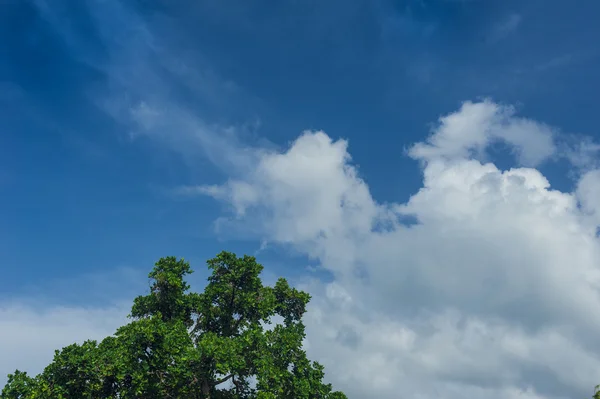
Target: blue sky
{"x": 115, "y": 115}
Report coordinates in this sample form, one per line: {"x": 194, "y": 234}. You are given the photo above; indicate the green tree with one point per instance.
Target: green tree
{"x": 180, "y": 344}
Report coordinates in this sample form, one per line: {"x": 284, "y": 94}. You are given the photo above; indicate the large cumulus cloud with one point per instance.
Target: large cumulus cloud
{"x": 492, "y": 293}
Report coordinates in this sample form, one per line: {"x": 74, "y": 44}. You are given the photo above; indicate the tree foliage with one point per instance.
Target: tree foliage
{"x": 180, "y": 344}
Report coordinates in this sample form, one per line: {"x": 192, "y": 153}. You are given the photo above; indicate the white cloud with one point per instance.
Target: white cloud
{"x": 180, "y": 130}
{"x": 588, "y": 193}
{"x": 29, "y": 333}
{"x": 92, "y": 306}
{"x": 582, "y": 152}
{"x": 471, "y": 129}
{"x": 494, "y": 293}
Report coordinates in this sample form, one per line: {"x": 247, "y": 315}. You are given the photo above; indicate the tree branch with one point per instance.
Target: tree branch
{"x": 237, "y": 384}
{"x": 231, "y": 304}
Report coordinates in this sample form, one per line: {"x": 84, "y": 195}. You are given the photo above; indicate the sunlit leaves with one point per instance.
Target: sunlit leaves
{"x": 181, "y": 344}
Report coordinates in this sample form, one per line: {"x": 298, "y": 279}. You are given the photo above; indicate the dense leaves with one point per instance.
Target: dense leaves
{"x": 179, "y": 344}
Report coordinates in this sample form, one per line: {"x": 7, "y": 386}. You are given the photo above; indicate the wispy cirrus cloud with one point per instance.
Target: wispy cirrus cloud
{"x": 155, "y": 87}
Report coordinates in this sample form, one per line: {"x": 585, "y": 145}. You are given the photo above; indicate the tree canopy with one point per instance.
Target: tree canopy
{"x": 181, "y": 344}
